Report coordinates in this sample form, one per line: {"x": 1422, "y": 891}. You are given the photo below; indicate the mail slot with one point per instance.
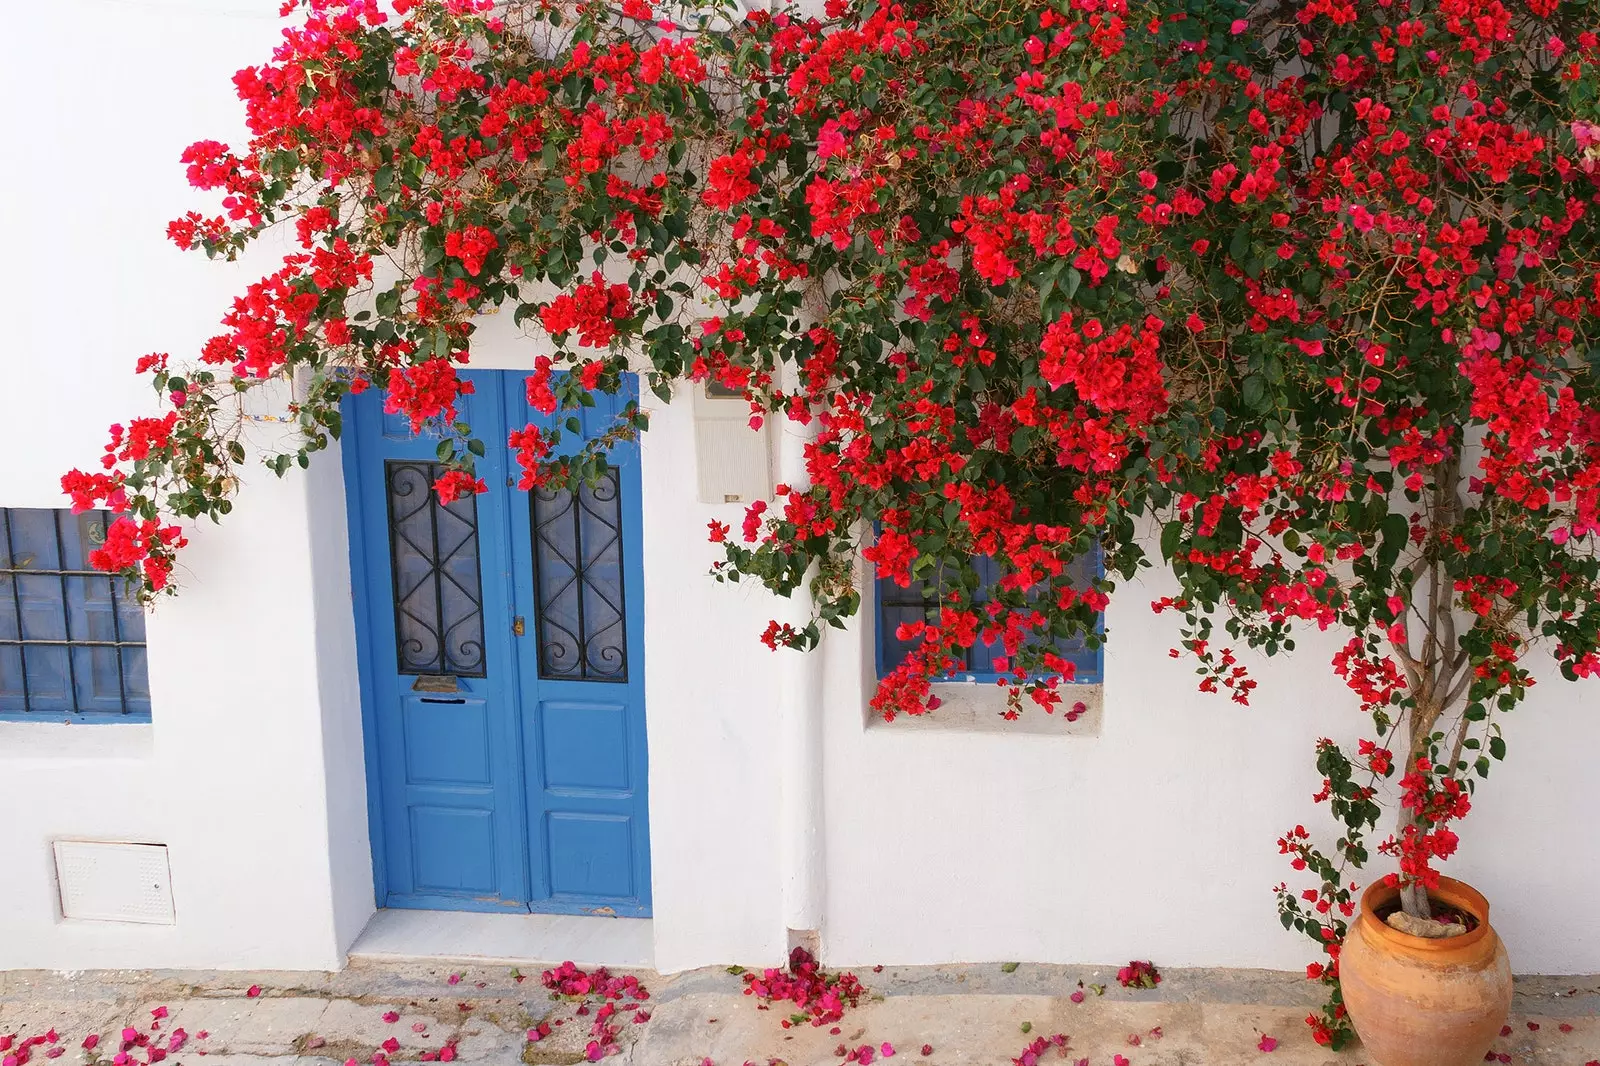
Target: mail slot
{"x": 436, "y": 683}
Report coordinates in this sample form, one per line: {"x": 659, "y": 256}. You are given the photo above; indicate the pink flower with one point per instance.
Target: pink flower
{"x": 91, "y": 1041}
{"x": 391, "y": 1016}
{"x": 1268, "y": 1043}
{"x": 1238, "y": 27}
{"x": 886, "y": 1049}
{"x": 391, "y": 1045}
{"x": 831, "y": 142}
{"x": 454, "y": 979}
{"x": 1077, "y": 996}
{"x": 253, "y": 991}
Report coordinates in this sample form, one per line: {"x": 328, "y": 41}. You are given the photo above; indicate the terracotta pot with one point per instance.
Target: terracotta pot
{"x": 1421, "y": 1002}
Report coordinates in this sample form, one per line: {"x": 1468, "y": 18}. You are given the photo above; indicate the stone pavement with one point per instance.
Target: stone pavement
{"x": 966, "y": 1015}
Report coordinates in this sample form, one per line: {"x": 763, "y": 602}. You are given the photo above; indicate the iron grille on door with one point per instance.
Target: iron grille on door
{"x": 433, "y": 552}
{"x": 577, "y": 565}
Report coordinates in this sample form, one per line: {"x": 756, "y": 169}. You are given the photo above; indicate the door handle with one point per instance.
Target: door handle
{"x": 437, "y": 699}
{"x": 518, "y": 626}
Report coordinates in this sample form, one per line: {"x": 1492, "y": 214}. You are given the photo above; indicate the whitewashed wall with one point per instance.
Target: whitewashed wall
{"x": 251, "y": 772}
{"x": 1153, "y": 838}
{"x": 1156, "y": 839}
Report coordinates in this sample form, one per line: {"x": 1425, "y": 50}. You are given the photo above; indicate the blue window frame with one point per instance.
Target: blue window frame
{"x": 897, "y": 606}
{"x": 72, "y": 643}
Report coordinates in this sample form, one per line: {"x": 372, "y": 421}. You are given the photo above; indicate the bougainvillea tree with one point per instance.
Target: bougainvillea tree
{"x": 1294, "y": 297}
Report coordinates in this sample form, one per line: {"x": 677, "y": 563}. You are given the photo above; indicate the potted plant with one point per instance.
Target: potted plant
{"x": 1295, "y": 299}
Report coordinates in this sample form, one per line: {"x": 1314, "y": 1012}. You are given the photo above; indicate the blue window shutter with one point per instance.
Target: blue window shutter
{"x": 72, "y": 644}
{"x": 897, "y": 606}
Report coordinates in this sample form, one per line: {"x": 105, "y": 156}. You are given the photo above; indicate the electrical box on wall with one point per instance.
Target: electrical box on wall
{"x": 733, "y": 463}
{"x": 112, "y": 882}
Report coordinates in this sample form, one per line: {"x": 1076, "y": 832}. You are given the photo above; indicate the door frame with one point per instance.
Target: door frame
{"x": 362, "y": 603}
{"x": 350, "y": 449}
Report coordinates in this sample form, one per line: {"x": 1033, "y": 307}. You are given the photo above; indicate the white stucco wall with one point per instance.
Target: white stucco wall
{"x": 252, "y": 765}
{"x": 1156, "y": 839}
{"x": 1153, "y": 838}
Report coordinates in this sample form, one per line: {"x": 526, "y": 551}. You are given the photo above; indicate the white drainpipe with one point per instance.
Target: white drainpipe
{"x": 800, "y": 694}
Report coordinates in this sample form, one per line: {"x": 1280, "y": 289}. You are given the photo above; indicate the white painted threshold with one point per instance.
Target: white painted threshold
{"x": 512, "y": 939}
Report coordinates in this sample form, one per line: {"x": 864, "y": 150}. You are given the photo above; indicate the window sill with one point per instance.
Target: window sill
{"x": 978, "y": 707}
{"x": 76, "y": 740}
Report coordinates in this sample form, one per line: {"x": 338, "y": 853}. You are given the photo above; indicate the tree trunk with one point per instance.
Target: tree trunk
{"x": 1413, "y": 897}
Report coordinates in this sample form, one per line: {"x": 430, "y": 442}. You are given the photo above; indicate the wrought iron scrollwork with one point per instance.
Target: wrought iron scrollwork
{"x": 438, "y": 591}
{"x": 577, "y": 559}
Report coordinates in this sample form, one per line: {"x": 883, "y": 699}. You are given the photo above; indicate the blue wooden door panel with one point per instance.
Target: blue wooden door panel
{"x": 583, "y": 679}
{"x": 520, "y": 783}
{"x": 448, "y": 774}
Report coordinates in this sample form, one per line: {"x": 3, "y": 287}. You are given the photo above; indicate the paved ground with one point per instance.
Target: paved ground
{"x": 966, "y": 1015}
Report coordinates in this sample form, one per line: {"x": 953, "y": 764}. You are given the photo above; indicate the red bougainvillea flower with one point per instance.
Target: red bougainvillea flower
{"x": 1047, "y": 336}
{"x": 453, "y": 485}
{"x": 1139, "y": 975}
{"x": 816, "y": 995}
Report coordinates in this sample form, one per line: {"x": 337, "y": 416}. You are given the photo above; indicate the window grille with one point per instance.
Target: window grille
{"x": 72, "y": 642}
{"x": 897, "y": 606}
{"x": 438, "y": 591}
{"x": 577, "y": 566}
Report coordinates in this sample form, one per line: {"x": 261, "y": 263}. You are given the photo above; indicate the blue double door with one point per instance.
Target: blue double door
{"x": 502, "y": 669}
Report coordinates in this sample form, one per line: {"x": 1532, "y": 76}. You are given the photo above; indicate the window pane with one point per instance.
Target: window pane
{"x": 438, "y": 597}
{"x": 577, "y": 564}
{"x": 898, "y": 606}
{"x": 71, "y": 642}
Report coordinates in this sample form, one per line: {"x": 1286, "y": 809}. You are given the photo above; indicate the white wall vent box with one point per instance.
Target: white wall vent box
{"x": 111, "y": 882}
{"x": 733, "y": 463}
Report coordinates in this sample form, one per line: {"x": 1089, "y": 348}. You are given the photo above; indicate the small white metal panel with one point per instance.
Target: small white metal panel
{"x": 112, "y": 882}
{"x": 733, "y": 463}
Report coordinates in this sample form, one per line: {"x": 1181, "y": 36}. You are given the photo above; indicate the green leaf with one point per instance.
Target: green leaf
{"x": 1069, "y": 288}
{"x": 446, "y": 450}
{"x": 1239, "y": 246}
{"x": 1254, "y": 392}
{"x": 1171, "y": 536}
{"x": 1009, "y": 967}
{"x": 1497, "y": 747}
